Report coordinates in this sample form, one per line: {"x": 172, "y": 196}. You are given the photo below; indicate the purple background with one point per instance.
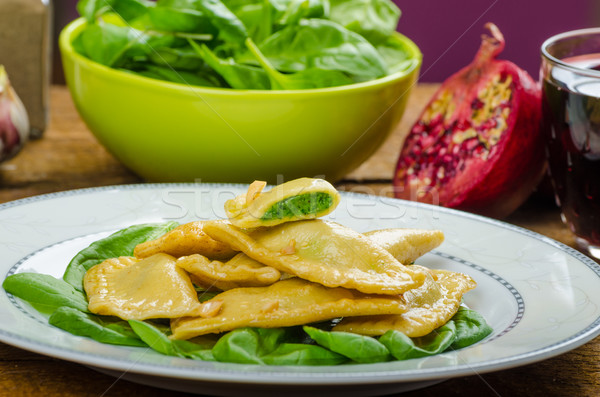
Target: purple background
{"x": 449, "y": 32}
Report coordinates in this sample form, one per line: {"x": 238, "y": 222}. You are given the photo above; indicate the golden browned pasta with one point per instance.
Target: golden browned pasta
{"x": 323, "y": 252}
{"x": 186, "y": 239}
{"x": 283, "y": 304}
{"x": 135, "y": 289}
{"x": 239, "y": 271}
{"x": 406, "y": 245}
{"x": 429, "y": 307}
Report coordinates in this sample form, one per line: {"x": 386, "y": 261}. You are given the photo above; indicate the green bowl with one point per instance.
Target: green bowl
{"x": 168, "y": 132}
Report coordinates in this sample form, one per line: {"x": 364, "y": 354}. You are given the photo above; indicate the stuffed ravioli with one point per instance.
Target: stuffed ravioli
{"x": 304, "y": 198}
{"x": 323, "y": 252}
{"x": 283, "y": 304}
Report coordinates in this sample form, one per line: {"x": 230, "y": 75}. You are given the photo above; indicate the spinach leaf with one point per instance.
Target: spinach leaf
{"x": 257, "y": 17}
{"x": 375, "y": 20}
{"x": 228, "y": 24}
{"x": 304, "y": 44}
{"x": 120, "y": 243}
{"x": 471, "y": 327}
{"x": 113, "y": 45}
{"x": 321, "y": 44}
{"x": 91, "y": 9}
{"x": 130, "y": 10}
{"x": 180, "y": 58}
{"x": 126, "y": 9}
{"x": 101, "y": 329}
{"x": 248, "y": 345}
{"x": 295, "y": 10}
{"x": 44, "y": 292}
{"x": 180, "y": 16}
{"x": 402, "y": 347}
{"x": 302, "y": 354}
{"x": 236, "y": 75}
{"x": 309, "y": 78}
{"x": 106, "y": 43}
{"x": 159, "y": 341}
{"x": 395, "y": 55}
{"x": 272, "y": 346}
{"x": 359, "y": 348}
{"x": 263, "y": 17}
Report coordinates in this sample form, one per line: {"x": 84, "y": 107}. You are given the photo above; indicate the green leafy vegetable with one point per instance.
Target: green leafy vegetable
{"x": 292, "y": 11}
{"x": 471, "y": 327}
{"x": 44, "y": 291}
{"x": 229, "y": 26}
{"x": 322, "y": 44}
{"x": 359, "y": 348}
{"x": 159, "y": 341}
{"x": 464, "y": 329}
{"x": 297, "y": 44}
{"x": 120, "y": 44}
{"x": 309, "y": 78}
{"x": 376, "y": 20}
{"x": 128, "y": 9}
{"x": 180, "y": 59}
{"x": 179, "y": 16}
{"x": 116, "y": 41}
{"x": 248, "y": 345}
{"x": 237, "y": 75}
{"x": 101, "y": 329}
{"x": 272, "y": 346}
{"x": 402, "y": 347}
{"x": 120, "y": 243}
{"x": 302, "y": 354}
{"x": 394, "y": 54}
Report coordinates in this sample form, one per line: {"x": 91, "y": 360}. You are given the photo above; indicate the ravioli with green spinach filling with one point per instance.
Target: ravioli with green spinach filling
{"x": 299, "y": 199}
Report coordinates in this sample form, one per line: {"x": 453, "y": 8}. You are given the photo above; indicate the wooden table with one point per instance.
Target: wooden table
{"x": 68, "y": 157}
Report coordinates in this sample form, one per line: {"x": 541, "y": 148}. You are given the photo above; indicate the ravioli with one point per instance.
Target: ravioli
{"x": 303, "y": 198}
{"x": 406, "y": 245}
{"x": 323, "y": 252}
{"x": 135, "y": 289}
{"x": 240, "y": 271}
{"x": 284, "y": 304}
{"x": 186, "y": 239}
{"x": 429, "y": 307}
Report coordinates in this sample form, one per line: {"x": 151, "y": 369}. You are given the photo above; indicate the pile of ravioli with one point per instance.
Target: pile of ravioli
{"x": 274, "y": 263}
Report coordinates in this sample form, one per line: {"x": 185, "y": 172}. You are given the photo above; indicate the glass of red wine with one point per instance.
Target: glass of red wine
{"x": 570, "y": 79}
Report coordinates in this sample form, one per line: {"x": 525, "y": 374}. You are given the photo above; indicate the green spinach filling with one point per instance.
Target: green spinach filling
{"x": 298, "y": 206}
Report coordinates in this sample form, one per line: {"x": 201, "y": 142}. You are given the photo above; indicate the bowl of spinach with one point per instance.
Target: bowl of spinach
{"x": 231, "y": 90}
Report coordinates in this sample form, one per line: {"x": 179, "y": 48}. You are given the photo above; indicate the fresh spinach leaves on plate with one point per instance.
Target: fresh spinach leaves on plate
{"x": 66, "y": 304}
{"x": 250, "y": 44}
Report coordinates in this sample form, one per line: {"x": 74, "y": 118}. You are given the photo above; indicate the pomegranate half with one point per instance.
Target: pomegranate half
{"x": 477, "y": 145}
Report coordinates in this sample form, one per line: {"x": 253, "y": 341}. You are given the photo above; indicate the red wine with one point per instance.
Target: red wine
{"x": 571, "y": 122}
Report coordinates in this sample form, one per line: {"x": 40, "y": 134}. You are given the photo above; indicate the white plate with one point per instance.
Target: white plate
{"x": 540, "y": 296}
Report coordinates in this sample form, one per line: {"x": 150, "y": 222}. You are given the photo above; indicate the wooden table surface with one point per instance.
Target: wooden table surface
{"x": 69, "y": 157}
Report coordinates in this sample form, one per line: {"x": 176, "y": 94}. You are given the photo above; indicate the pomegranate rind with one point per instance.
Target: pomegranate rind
{"x": 493, "y": 185}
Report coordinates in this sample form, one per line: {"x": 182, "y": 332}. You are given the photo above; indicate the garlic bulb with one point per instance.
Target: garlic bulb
{"x": 14, "y": 122}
